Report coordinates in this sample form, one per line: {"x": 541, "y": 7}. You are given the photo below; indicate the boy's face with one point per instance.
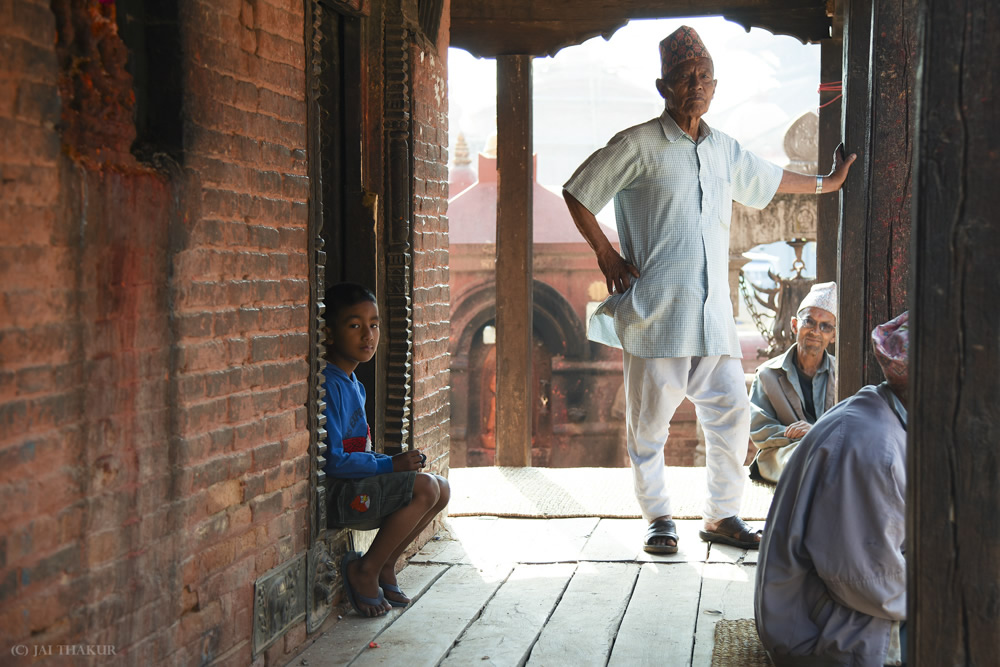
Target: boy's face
{"x": 351, "y": 338}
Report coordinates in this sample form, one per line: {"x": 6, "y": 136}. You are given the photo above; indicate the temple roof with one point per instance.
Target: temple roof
{"x": 472, "y": 213}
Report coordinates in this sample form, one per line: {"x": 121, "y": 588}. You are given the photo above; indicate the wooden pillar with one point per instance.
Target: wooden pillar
{"x": 875, "y": 226}
{"x": 953, "y": 499}
{"x": 828, "y": 206}
{"x": 514, "y": 252}
{"x": 853, "y": 233}
{"x": 892, "y": 134}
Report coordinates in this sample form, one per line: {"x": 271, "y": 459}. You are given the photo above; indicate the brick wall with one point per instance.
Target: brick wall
{"x": 154, "y": 327}
{"x": 241, "y": 303}
{"x": 431, "y": 402}
{"x": 153, "y": 334}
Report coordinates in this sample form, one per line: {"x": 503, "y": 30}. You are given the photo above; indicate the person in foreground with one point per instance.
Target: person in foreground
{"x": 673, "y": 180}
{"x": 831, "y": 578}
{"x": 368, "y": 490}
{"x": 790, "y": 392}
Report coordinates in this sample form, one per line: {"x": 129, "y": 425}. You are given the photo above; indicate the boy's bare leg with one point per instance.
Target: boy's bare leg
{"x": 388, "y": 572}
{"x": 396, "y": 528}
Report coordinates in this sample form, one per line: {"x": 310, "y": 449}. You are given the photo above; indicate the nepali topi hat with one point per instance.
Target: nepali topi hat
{"x": 822, "y": 296}
{"x": 892, "y": 348}
{"x": 681, "y": 45}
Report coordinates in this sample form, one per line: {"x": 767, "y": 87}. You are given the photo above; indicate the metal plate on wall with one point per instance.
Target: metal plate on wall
{"x": 279, "y": 602}
{"x": 324, "y": 578}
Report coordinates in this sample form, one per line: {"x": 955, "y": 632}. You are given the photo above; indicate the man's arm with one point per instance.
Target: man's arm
{"x": 617, "y": 272}
{"x": 804, "y": 184}
{"x": 766, "y": 430}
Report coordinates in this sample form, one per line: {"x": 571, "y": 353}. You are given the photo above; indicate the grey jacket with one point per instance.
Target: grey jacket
{"x": 776, "y": 401}
{"x": 831, "y": 577}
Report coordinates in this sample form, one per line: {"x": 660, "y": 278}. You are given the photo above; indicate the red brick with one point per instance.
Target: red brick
{"x": 295, "y": 636}
{"x": 266, "y": 456}
{"x": 265, "y": 507}
{"x": 223, "y": 495}
{"x": 272, "y": 19}
{"x": 296, "y": 445}
{"x": 195, "y": 624}
{"x": 201, "y": 417}
{"x": 263, "y": 237}
{"x": 295, "y": 291}
{"x": 253, "y": 486}
{"x": 266, "y": 402}
{"x": 265, "y": 348}
{"x": 280, "y": 50}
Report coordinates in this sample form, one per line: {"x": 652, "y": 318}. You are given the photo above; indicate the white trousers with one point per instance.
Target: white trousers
{"x": 654, "y": 388}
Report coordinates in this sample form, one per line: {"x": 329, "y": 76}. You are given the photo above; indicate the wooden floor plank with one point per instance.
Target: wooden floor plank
{"x": 622, "y": 540}
{"x": 339, "y": 645}
{"x": 723, "y": 553}
{"x": 426, "y": 631}
{"x": 513, "y": 619}
{"x": 659, "y": 624}
{"x": 484, "y": 541}
{"x": 614, "y": 540}
{"x": 726, "y": 593}
{"x": 581, "y": 631}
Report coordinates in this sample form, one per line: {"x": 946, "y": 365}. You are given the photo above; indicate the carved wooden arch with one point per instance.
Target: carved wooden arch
{"x": 555, "y": 321}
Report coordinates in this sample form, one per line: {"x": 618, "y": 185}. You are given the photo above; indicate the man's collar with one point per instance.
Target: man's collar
{"x": 894, "y": 403}
{"x": 673, "y": 132}
{"x": 788, "y": 364}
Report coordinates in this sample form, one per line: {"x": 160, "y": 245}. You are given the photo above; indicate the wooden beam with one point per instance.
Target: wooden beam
{"x": 553, "y": 11}
{"x": 514, "y": 253}
{"x": 953, "y": 499}
{"x": 852, "y": 337}
{"x": 488, "y": 28}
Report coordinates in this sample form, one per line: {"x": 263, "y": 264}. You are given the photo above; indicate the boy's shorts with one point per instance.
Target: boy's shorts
{"x": 361, "y": 504}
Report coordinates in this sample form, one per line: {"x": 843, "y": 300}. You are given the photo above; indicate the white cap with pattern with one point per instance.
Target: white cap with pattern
{"x": 821, "y": 295}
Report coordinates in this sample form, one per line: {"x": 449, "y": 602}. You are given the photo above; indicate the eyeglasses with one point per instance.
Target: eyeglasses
{"x": 809, "y": 323}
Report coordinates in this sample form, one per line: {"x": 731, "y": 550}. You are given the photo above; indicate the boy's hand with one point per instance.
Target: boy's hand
{"x": 411, "y": 460}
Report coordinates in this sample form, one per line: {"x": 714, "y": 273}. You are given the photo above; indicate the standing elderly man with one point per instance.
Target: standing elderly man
{"x": 831, "y": 578}
{"x": 674, "y": 180}
{"x": 790, "y": 392}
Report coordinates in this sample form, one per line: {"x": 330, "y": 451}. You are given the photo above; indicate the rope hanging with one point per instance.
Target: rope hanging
{"x": 832, "y": 87}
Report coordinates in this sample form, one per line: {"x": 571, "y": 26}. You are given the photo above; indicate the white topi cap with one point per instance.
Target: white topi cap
{"x": 821, "y": 295}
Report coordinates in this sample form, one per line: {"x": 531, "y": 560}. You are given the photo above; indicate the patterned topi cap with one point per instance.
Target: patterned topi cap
{"x": 892, "y": 348}
{"x": 680, "y": 45}
{"x": 821, "y": 295}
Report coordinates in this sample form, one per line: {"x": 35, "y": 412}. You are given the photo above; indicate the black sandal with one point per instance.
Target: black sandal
{"x": 733, "y": 531}
{"x": 661, "y": 528}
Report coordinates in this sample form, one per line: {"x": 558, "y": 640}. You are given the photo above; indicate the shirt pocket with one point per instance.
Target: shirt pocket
{"x": 721, "y": 198}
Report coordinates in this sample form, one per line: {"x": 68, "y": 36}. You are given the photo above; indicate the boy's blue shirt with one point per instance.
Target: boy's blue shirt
{"x": 349, "y": 450}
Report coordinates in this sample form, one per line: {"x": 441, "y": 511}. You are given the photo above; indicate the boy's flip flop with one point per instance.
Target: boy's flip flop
{"x": 393, "y": 588}
{"x": 353, "y": 596}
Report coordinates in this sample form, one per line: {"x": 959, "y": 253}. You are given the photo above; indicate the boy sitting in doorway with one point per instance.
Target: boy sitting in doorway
{"x": 368, "y": 490}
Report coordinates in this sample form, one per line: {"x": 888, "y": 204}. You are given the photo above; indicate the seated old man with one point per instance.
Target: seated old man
{"x": 790, "y": 392}
{"x": 831, "y": 579}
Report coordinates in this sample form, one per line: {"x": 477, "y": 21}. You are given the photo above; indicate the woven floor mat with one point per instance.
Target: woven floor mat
{"x": 736, "y": 644}
{"x": 582, "y": 492}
